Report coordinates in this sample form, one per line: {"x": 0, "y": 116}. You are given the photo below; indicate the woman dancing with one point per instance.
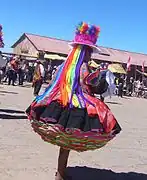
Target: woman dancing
{"x": 67, "y": 114}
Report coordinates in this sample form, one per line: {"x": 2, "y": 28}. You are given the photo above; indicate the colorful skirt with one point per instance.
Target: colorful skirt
{"x": 78, "y": 129}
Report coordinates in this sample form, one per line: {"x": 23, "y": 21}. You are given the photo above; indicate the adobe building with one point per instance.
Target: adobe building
{"x": 56, "y": 50}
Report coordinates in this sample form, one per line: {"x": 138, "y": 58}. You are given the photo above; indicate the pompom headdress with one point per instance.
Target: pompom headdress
{"x": 86, "y": 35}
{"x": 1, "y": 37}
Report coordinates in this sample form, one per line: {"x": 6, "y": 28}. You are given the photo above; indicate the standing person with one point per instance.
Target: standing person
{"x": 38, "y": 77}
{"x": 1, "y": 75}
{"x": 29, "y": 72}
{"x": 138, "y": 85}
{"x": 11, "y": 76}
{"x": 103, "y": 81}
{"x": 12, "y": 72}
{"x": 110, "y": 81}
{"x": 3, "y": 60}
{"x": 6, "y": 76}
{"x": 3, "y": 63}
{"x": 67, "y": 114}
{"x": 20, "y": 72}
{"x": 131, "y": 86}
{"x": 120, "y": 86}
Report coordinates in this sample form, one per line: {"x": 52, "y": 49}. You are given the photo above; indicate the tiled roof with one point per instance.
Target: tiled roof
{"x": 54, "y": 45}
{"x": 43, "y": 43}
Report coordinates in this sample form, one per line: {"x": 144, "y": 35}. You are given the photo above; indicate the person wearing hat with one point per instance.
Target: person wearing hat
{"x": 102, "y": 81}
{"x": 67, "y": 114}
{"x": 39, "y": 73}
{"x": 93, "y": 66}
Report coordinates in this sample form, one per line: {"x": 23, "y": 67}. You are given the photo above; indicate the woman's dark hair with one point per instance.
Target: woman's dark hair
{"x": 88, "y": 53}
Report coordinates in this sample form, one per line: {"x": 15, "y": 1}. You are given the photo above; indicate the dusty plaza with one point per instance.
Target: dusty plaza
{"x": 23, "y": 155}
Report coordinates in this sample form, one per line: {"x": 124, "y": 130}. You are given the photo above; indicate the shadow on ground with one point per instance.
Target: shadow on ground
{"x": 117, "y": 103}
{"x": 8, "y": 92}
{"x": 26, "y": 85}
{"x": 127, "y": 97}
{"x": 2, "y": 94}
{"x": 7, "y": 116}
{"x": 86, "y": 173}
{"x": 10, "y": 113}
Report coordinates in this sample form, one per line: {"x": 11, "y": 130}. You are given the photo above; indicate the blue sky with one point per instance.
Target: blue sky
{"x": 123, "y": 22}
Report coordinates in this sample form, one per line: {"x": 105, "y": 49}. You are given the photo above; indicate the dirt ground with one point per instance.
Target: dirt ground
{"x": 23, "y": 155}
